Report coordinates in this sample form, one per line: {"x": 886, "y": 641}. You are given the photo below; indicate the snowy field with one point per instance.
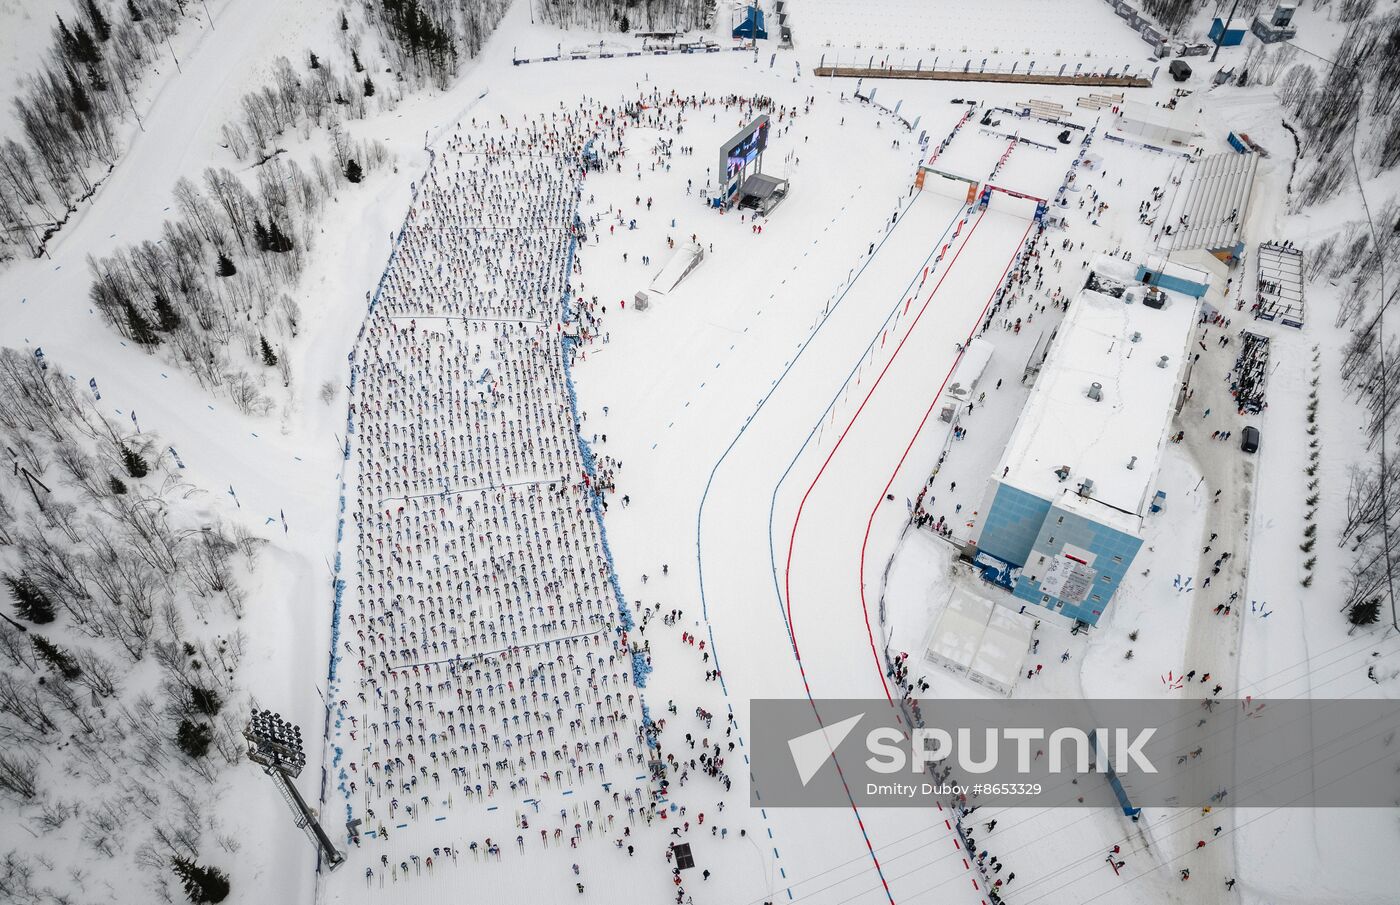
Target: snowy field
{"x": 946, "y": 34}
{"x": 521, "y": 580}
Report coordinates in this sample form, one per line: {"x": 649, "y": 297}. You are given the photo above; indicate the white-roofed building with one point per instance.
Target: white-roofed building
{"x": 1167, "y": 126}
{"x": 1065, "y": 507}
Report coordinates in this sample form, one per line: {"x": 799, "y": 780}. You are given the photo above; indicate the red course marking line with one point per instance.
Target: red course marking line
{"x": 797, "y": 654}
{"x": 957, "y": 844}
{"x": 900, "y": 464}
{"x": 792, "y": 538}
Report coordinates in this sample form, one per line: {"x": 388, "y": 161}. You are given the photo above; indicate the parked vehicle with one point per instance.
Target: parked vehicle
{"x": 1249, "y": 439}
{"x": 1180, "y": 70}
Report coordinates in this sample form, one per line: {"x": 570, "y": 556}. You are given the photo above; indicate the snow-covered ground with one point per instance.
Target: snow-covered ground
{"x": 769, "y": 423}
{"x": 947, "y": 34}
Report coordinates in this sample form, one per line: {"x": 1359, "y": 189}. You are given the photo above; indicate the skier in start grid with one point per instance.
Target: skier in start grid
{"x": 486, "y": 640}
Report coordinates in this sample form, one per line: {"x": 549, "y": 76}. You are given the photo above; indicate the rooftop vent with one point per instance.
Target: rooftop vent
{"x": 1137, "y": 337}
{"x": 1095, "y": 391}
{"x": 1086, "y": 487}
{"x": 1062, "y": 473}
{"x": 1132, "y": 463}
{"x": 1156, "y": 298}
{"x": 1162, "y": 362}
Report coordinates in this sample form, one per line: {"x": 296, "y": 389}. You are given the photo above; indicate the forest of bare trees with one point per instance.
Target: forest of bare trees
{"x": 427, "y": 40}
{"x": 120, "y": 701}
{"x": 627, "y": 15}
{"x": 1345, "y": 116}
{"x": 215, "y": 293}
{"x": 72, "y": 110}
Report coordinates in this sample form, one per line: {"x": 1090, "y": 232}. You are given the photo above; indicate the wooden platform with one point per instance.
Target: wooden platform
{"x": 957, "y": 75}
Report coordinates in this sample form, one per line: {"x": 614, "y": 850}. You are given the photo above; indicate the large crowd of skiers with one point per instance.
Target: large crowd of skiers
{"x": 484, "y": 643}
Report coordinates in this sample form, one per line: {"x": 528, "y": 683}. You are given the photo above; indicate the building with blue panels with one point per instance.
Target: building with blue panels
{"x": 1063, "y": 514}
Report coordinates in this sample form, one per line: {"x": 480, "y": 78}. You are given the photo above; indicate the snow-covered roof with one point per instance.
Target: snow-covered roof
{"x": 1169, "y": 124}
{"x": 1004, "y": 646}
{"x": 1118, "y": 344}
{"x": 978, "y": 639}
{"x": 959, "y": 630}
{"x": 972, "y": 363}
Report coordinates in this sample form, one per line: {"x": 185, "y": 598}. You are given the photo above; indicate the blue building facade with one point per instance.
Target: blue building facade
{"x": 1013, "y": 522}
{"x": 1039, "y": 538}
{"x": 1102, "y": 556}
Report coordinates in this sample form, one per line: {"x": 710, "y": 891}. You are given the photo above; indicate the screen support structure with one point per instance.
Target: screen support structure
{"x": 740, "y": 157}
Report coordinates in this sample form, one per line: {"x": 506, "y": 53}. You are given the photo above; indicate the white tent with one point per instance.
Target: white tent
{"x": 1003, "y": 650}
{"x": 1175, "y": 126}
{"x": 958, "y": 632}
{"x": 981, "y": 641}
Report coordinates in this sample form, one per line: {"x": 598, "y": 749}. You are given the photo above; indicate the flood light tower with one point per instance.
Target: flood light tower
{"x": 276, "y": 745}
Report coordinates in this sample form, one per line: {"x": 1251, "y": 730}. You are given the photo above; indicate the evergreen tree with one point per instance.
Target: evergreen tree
{"x": 134, "y": 462}
{"x": 277, "y": 241}
{"x": 82, "y": 106}
{"x": 166, "y": 318}
{"x": 206, "y": 700}
{"x": 268, "y": 356}
{"x": 354, "y": 60}
{"x": 369, "y": 87}
{"x": 344, "y": 23}
{"x": 30, "y": 602}
{"x": 225, "y": 266}
{"x": 66, "y": 39}
{"x": 95, "y": 79}
{"x": 340, "y": 99}
{"x": 353, "y": 171}
{"x": 1365, "y": 612}
{"x": 260, "y": 236}
{"x": 100, "y": 26}
{"x": 139, "y": 327}
{"x": 58, "y": 659}
{"x": 86, "y": 47}
{"x": 315, "y": 61}
{"x": 117, "y": 484}
{"x": 202, "y": 884}
{"x": 194, "y": 738}
{"x": 134, "y": 11}
{"x": 624, "y": 25}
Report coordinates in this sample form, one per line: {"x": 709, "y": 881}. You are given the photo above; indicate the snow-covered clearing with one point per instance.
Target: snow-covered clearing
{"x": 711, "y": 496}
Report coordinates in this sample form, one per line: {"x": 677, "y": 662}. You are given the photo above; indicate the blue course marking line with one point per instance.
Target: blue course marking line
{"x": 894, "y": 311}
{"x": 773, "y": 500}
{"x": 704, "y": 497}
